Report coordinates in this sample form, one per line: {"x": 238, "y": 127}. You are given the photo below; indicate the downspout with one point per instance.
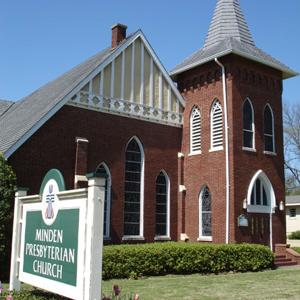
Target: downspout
{"x": 226, "y": 150}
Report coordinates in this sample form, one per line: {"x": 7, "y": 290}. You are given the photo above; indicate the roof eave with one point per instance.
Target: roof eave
{"x": 286, "y": 73}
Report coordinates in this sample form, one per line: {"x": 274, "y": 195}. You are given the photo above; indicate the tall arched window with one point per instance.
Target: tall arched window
{"x": 205, "y": 228}
{"x": 269, "y": 129}
{"x": 103, "y": 170}
{"x": 195, "y": 131}
{"x": 216, "y": 120}
{"x": 248, "y": 125}
{"x": 162, "y": 213}
{"x": 260, "y": 196}
{"x": 134, "y": 189}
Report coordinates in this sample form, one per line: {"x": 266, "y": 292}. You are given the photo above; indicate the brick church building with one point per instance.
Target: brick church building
{"x": 195, "y": 154}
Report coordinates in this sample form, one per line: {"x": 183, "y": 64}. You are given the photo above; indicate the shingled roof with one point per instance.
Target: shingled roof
{"x": 229, "y": 33}
{"x": 29, "y": 112}
{"x": 4, "y": 106}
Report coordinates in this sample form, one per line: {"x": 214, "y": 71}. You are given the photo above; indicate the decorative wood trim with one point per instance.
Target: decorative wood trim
{"x": 126, "y": 108}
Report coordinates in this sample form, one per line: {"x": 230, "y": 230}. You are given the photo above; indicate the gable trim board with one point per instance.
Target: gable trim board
{"x": 76, "y": 89}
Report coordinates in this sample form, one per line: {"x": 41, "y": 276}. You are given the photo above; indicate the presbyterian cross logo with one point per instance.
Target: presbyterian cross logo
{"x": 50, "y": 201}
{"x": 50, "y": 198}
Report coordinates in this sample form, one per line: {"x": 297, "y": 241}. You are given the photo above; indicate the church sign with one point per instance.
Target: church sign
{"x": 53, "y": 250}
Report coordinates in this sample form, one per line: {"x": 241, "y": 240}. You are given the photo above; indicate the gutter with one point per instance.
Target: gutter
{"x": 226, "y": 149}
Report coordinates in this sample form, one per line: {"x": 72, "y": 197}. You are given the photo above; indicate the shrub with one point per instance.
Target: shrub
{"x": 7, "y": 190}
{"x": 294, "y": 235}
{"x": 132, "y": 261}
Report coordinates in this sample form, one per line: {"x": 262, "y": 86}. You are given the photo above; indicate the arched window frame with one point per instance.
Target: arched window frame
{"x": 269, "y": 191}
{"x": 106, "y": 234}
{"x": 141, "y": 229}
{"x": 201, "y": 236}
{"x": 195, "y": 149}
{"x": 273, "y": 130}
{"x": 213, "y": 147}
{"x": 247, "y": 100}
{"x": 167, "y": 236}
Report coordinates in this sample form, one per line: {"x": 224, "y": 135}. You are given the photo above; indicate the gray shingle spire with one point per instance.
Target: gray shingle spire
{"x": 228, "y": 22}
{"x": 229, "y": 34}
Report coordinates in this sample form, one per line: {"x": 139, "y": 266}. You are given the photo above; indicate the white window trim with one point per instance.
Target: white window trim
{"x": 270, "y": 195}
{"x": 253, "y": 126}
{"x": 166, "y": 237}
{"x": 273, "y": 131}
{"x": 212, "y": 147}
{"x": 193, "y": 152}
{"x": 270, "y": 153}
{"x": 106, "y": 235}
{"x": 141, "y": 233}
{"x": 249, "y": 149}
{"x": 204, "y": 239}
{"x": 201, "y": 237}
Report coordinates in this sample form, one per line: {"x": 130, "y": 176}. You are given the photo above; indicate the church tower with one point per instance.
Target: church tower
{"x": 232, "y": 183}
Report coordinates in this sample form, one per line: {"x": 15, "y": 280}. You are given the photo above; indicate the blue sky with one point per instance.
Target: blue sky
{"x": 41, "y": 39}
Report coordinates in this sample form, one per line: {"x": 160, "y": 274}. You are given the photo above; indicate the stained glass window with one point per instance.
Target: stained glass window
{"x": 205, "y": 207}
{"x": 161, "y": 205}
{"x": 132, "y": 205}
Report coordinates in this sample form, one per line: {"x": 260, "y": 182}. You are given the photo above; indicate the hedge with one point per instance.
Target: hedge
{"x": 132, "y": 261}
{"x": 294, "y": 235}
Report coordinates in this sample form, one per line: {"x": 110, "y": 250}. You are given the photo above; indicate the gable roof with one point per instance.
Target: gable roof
{"x": 229, "y": 33}
{"x": 292, "y": 200}
{"x": 26, "y": 116}
{"x": 4, "y": 106}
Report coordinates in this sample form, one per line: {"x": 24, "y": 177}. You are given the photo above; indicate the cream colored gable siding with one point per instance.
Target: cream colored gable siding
{"x": 156, "y": 86}
{"x": 150, "y": 87}
{"x": 96, "y": 85}
{"x": 117, "y": 78}
{"x": 165, "y": 95}
{"x": 137, "y": 71}
{"x": 127, "y": 83}
{"x": 107, "y": 81}
{"x": 147, "y": 59}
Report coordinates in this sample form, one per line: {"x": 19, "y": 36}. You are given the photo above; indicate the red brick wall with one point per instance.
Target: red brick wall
{"x": 54, "y": 146}
{"x": 201, "y": 86}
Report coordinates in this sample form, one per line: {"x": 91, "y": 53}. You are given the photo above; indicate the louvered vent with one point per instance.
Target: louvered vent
{"x": 195, "y": 131}
{"x": 216, "y": 126}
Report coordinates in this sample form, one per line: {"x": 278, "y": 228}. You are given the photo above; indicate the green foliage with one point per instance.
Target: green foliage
{"x": 294, "y": 235}
{"x": 133, "y": 261}
{"x": 7, "y": 190}
{"x": 297, "y": 249}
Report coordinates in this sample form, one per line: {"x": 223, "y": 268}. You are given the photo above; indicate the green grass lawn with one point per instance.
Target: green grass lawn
{"x": 278, "y": 284}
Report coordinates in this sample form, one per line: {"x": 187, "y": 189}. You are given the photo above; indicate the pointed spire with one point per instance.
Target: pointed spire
{"x": 228, "y": 22}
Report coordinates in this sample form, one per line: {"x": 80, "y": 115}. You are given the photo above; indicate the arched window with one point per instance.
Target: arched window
{"x": 134, "y": 189}
{"x": 103, "y": 170}
{"x": 248, "y": 125}
{"x": 216, "y": 117}
{"x": 269, "y": 129}
{"x": 260, "y": 196}
{"x": 195, "y": 131}
{"x": 205, "y": 228}
{"x": 162, "y": 213}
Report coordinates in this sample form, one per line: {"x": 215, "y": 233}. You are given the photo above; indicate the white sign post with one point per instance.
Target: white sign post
{"x": 58, "y": 238}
